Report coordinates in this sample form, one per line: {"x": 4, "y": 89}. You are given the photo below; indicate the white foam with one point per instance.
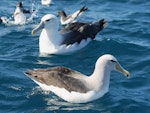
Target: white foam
{"x": 20, "y": 18}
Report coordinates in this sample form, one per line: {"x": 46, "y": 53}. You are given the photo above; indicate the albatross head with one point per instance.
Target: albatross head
{"x": 110, "y": 63}
{"x": 19, "y": 4}
{"x": 48, "y": 22}
{"x": 62, "y": 13}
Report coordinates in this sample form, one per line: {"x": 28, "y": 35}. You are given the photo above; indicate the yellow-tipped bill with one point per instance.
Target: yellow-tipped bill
{"x": 39, "y": 27}
{"x": 33, "y": 32}
{"x": 122, "y": 70}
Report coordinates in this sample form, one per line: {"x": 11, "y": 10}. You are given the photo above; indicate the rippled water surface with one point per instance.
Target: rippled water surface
{"x": 127, "y": 37}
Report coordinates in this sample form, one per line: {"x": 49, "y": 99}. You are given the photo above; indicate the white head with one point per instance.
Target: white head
{"x": 48, "y": 22}
{"x": 110, "y": 63}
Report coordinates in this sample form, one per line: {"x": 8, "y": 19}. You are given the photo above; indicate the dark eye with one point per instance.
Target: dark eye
{"x": 48, "y": 20}
{"x": 112, "y": 60}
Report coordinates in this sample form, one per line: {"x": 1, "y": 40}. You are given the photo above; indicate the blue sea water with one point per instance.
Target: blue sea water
{"x": 127, "y": 37}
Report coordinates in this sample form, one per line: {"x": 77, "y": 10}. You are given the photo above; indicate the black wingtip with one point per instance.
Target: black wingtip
{"x": 84, "y": 8}
{"x": 103, "y": 22}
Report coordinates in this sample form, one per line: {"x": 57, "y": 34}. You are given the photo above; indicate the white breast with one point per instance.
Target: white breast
{"x": 19, "y": 17}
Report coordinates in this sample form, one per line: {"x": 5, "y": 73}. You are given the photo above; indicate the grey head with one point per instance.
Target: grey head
{"x": 62, "y": 13}
{"x": 19, "y": 4}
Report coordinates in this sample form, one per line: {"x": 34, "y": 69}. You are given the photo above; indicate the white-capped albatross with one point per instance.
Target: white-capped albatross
{"x": 19, "y": 16}
{"x": 64, "y": 19}
{"x": 75, "y": 87}
{"x": 71, "y": 38}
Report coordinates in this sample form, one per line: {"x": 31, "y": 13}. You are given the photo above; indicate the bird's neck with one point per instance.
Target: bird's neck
{"x": 19, "y": 17}
{"x": 49, "y": 40}
{"x": 63, "y": 18}
{"x": 100, "y": 78}
{"x": 18, "y": 10}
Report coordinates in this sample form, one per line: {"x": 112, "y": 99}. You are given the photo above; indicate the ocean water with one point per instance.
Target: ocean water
{"x": 127, "y": 37}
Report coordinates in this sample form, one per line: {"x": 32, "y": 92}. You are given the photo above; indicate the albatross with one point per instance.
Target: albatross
{"x": 71, "y": 38}
{"x": 75, "y": 87}
{"x": 19, "y": 15}
{"x": 64, "y": 19}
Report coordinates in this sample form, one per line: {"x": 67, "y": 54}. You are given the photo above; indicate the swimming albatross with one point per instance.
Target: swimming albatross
{"x": 64, "y": 19}
{"x": 71, "y": 38}
{"x": 19, "y": 16}
{"x": 75, "y": 87}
